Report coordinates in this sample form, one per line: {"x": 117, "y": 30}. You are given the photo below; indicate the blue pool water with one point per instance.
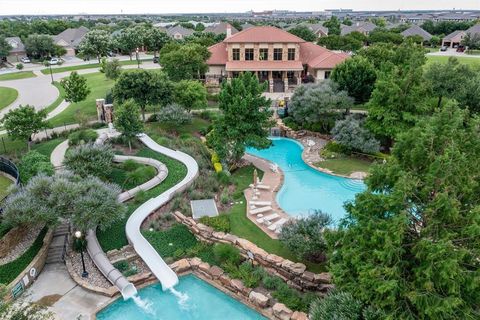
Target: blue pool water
{"x": 306, "y": 189}
{"x": 204, "y": 302}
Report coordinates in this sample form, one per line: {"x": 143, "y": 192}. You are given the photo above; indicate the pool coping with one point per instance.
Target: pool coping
{"x": 239, "y": 298}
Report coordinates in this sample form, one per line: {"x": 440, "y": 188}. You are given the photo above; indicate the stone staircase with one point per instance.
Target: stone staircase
{"x": 58, "y": 247}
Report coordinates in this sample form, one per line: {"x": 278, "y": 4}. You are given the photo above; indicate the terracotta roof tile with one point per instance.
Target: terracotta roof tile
{"x": 219, "y": 54}
{"x": 263, "y": 34}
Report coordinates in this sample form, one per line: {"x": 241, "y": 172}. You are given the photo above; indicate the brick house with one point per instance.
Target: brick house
{"x": 274, "y": 55}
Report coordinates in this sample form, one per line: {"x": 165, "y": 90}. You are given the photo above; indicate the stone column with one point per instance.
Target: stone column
{"x": 108, "y": 113}
{"x": 299, "y": 78}
{"x": 100, "y": 112}
{"x": 270, "y": 81}
{"x": 285, "y": 81}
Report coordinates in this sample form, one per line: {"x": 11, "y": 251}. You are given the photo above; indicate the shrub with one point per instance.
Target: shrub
{"x": 82, "y": 137}
{"x": 338, "y": 305}
{"x": 272, "y": 282}
{"x": 19, "y": 66}
{"x": 173, "y": 114}
{"x": 34, "y": 163}
{"x": 112, "y": 69}
{"x": 352, "y": 134}
{"x": 224, "y": 178}
{"x": 219, "y": 223}
{"x": 250, "y": 275}
{"x": 304, "y": 236}
{"x": 90, "y": 159}
{"x": 225, "y": 197}
{"x": 218, "y": 167}
{"x": 226, "y": 253}
{"x": 130, "y": 165}
{"x": 141, "y": 175}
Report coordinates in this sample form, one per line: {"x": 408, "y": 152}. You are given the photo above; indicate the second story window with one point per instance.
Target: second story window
{"x": 263, "y": 54}
{"x": 291, "y": 54}
{"x": 248, "y": 54}
{"x": 236, "y": 54}
{"x": 277, "y": 54}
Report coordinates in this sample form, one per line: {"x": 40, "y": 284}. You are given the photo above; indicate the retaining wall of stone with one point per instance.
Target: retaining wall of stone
{"x": 294, "y": 273}
{"x": 260, "y": 301}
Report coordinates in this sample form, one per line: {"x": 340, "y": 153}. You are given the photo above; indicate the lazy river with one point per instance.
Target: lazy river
{"x": 196, "y": 299}
{"x": 306, "y": 189}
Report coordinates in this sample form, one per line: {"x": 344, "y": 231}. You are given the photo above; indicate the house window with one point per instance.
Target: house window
{"x": 291, "y": 54}
{"x": 249, "y": 54}
{"x": 277, "y": 54}
{"x": 327, "y": 74}
{"x": 236, "y": 54}
{"x": 264, "y": 54}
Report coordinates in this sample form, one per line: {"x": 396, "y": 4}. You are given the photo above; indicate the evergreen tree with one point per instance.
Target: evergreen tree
{"x": 410, "y": 243}
{"x": 127, "y": 120}
{"x": 76, "y": 88}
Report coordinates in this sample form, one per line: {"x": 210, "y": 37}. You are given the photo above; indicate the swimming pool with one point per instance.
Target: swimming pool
{"x": 306, "y": 189}
{"x": 204, "y": 302}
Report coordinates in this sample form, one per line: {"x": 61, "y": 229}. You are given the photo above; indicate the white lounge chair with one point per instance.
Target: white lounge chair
{"x": 268, "y": 219}
{"x": 260, "y": 210}
{"x": 277, "y": 224}
{"x": 261, "y": 203}
{"x": 263, "y": 187}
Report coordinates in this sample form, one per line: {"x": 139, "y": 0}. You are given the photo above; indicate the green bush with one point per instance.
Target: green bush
{"x": 126, "y": 268}
{"x": 226, "y": 253}
{"x": 224, "y": 178}
{"x": 32, "y": 164}
{"x": 272, "y": 282}
{"x": 219, "y": 223}
{"x": 82, "y": 137}
{"x": 9, "y": 271}
{"x": 250, "y": 275}
{"x": 130, "y": 165}
{"x": 141, "y": 175}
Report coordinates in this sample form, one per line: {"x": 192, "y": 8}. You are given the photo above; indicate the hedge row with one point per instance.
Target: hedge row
{"x": 11, "y": 270}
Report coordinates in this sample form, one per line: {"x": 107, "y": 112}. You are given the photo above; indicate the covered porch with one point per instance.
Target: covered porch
{"x": 281, "y": 76}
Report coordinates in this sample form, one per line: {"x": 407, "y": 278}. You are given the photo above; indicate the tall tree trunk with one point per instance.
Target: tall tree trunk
{"x": 130, "y": 144}
{"x": 130, "y": 55}
{"x": 143, "y": 114}
{"x": 439, "y": 104}
{"x": 29, "y": 143}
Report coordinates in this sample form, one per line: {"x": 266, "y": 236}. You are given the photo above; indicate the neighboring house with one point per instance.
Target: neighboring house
{"x": 364, "y": 27}
{"x": 247, "y": 25}
{"x": 220, "y": 28}
{"x": 70, "y": 39}
{"x": 318, "y": 29}
{"x": 417, "y": 31}
{"x": 274, "y": 55}
{"x": 17, "y": 51}
{"x": 455, "y": 38}
{"x": 179, "y": 33}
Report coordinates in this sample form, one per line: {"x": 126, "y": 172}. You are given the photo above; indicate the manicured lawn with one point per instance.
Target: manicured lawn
{"x": 195, "y": 126}
{"x": 114, "y": 237}
{"x": 60, "y": 98}
{"x": 467, "y": 60}
{"x": 99, "y": 86}
{"x": 46, "y": 147}
{"x": 120, "y": 176}
{"x": 7, "y": 96}
{"x": 5, "y": 183}
{"x": 241, "y": 226}
{"x": 17, "y": 75}
{"x": 84, "y": 66}
{"x": 345, "y": 166}
{"x": 15, "y": 148}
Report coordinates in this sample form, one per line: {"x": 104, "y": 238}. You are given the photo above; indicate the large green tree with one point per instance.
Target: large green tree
{"x": 127, "y": 120}
{"x": 145, "y": 88}
{"x": 90, "y": 160}
{"x": 245, "y": 119}
{"x": 191, "y": 94}
{"x": 87, "y": 203}
{"x": 95, "y": 43}
{"x": 183, "y": 62}
{"x": 155, "y": 39}
{"x": 344, "y": 43}
{"x": 333, "y": 25}
{"x": 40, "y": 46}
{"x": 130, "y": 39}
{"x": 23, "y": 122}
{"x": 5, "y": 48}
{"x": 303, "y": 32}
{"x": 410, "y": 244}
{"x": 357, "y": 76}
{"x": 76, "y": 87}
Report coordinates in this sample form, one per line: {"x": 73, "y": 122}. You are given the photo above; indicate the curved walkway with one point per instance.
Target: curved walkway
{"x": 159, "y": 268}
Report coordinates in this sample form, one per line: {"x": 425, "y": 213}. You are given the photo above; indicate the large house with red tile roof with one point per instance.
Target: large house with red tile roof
{"x": 274, "y": 55}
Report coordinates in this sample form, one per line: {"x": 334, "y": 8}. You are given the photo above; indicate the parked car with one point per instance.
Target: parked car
{"x": 111, "y": 54}
{"x": 54, "y": 61}
{"x": 460, "y": 49}
{"x": 25, "y": 60}
{"x": 443, "y": 48}
{"x": 155, "y": 59}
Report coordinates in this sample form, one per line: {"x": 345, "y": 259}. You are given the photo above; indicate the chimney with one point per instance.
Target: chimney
{"x": 229, "y": 30}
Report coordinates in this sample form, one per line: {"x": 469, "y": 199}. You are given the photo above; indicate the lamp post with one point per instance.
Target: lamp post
{"x": 49, "y": 65}
{"x": 78, "y": 235}
{"x": 138, "y": 61}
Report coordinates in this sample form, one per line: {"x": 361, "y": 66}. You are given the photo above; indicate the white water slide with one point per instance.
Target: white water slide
{"x": 159, "y": 268}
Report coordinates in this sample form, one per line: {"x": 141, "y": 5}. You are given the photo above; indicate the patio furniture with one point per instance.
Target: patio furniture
{"x": 267, "y": 220}
{"x": 263, "y": 187}
{"x": 260, "y": 210}
{"x": 261, "y": 203}
{"x": 277, "y": 224}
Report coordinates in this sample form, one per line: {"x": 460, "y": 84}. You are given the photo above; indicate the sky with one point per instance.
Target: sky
{"x": 12, "y": 7}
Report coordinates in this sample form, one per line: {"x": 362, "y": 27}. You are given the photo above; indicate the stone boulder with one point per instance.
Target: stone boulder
{"x": 249, "y": 246}
{"x": 323, "y": 277}
{"x": 215, "y": 272}
{"x": 195, "y": 262}
{"x": 238, "y": 285}
{"x": 205, "y": 267}
{"x": 281, "y": 311}
{"x": 180, "y": 266}
{"x": 297, "y": 315}
{"x": 258, "y": 299}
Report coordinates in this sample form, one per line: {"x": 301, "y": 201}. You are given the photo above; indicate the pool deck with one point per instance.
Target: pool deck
{"x": 272, "y": 179}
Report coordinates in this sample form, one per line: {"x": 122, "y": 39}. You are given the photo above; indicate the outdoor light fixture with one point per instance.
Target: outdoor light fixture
{"x": 78, "y": 235}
